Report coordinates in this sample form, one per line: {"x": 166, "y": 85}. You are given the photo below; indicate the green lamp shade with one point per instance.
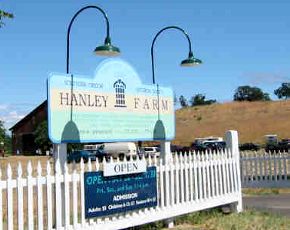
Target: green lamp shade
{"x": 190, "y": 61}
{"x": 107, "y": 50}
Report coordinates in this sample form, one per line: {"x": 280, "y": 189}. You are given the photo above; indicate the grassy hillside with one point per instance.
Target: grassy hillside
{"x": 252, "y": 120}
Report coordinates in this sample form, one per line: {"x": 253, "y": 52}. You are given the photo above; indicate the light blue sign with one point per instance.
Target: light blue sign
{"x": 112, "y": 106}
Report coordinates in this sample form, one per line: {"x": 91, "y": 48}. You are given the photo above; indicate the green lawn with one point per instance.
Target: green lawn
{"x": 215, "y": 220}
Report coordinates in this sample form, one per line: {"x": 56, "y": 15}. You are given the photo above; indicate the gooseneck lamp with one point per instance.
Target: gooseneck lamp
{"x": 107, "y": 49}
{"x": 189, "y": 61}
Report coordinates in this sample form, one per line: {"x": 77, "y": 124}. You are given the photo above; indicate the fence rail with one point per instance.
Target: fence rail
{"x": 54, "y": 198}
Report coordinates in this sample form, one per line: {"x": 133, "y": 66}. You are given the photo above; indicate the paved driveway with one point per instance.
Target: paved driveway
{"x": 279, "y": 203}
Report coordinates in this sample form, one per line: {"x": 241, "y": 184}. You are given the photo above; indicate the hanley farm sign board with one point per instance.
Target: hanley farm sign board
{"x": 110, "y": 195}
{"x": 114, "y": 105}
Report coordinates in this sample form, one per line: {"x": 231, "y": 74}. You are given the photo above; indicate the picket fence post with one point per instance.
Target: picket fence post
{"x": 20, "y": 196}
{"x": 9, "y": 198}
{"x": 1, "y": 211}
{"x": 39, "y": 198}
{"x": 30, "y": 197}
{"x": 58, "y": 196}
{"x": 232, "y": 143}
{"x": 75, "y": 195}
{"x": 166, "y": 156}
{"x": 66, "y": 196}
{"x": 49, "y": 195}
{"x": 60, "y": 156}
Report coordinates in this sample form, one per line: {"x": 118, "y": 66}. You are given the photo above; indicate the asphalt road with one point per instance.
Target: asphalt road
{"x": 279, "y": 204}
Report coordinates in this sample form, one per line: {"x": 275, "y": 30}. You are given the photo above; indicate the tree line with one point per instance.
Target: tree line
{"x": 5, "y": 139}
{"x": 4, "y": 14}
{"x": 242, "y": 93}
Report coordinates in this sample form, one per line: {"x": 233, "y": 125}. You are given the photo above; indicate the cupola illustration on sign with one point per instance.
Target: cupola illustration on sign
{"x": 120, "y": 87}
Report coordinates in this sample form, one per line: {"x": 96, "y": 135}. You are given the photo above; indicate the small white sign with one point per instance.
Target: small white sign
{"x": 122, "y": 168}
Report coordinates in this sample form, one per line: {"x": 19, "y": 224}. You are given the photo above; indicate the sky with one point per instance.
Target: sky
{"x": 241, "y": 42}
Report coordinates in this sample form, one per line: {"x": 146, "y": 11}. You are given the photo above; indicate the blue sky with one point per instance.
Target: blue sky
{"x": 241, "y": 42}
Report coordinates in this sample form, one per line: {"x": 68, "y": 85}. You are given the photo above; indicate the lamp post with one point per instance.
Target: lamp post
{"x": 107, "y": 49}
{"x": 189, "y": 61}
{"x": 165, "y": 151}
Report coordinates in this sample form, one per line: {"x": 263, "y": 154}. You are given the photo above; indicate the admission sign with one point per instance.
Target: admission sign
{"x": 114, "y": 105}
{"x": 110, "y": 195}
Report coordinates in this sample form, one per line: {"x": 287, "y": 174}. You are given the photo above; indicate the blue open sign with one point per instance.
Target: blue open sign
{"x": 110, "y": 195}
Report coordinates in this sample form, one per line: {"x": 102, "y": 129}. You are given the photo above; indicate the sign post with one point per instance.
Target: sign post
{"x": 60, "y": 153}
{"x": 165, "y": 152}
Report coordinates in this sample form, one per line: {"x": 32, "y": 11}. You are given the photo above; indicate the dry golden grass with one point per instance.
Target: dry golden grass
{"x": 15, "y": 160}
{"x": 264, "y": 191}
{"x": 252, "y": 120}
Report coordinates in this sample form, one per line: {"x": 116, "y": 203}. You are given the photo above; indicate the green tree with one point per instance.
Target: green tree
{"x": 175, "y": 99}
{"x": 183, "y": 101}
{"x": 4, "y": 14}
{"x": 42, "y": 140}
{"x": 2, "y": 131}
{"x": 283, "y": 91}
{"x": 199, "y": 99}
{"x": 41, "y": 137}
{"x": 5, "y": 139}
{"x": 248, "y": 93}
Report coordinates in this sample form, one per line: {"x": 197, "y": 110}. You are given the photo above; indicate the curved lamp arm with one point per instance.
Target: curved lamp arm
{"x": 187, "y": 62}
{"x": 107, "y": 40}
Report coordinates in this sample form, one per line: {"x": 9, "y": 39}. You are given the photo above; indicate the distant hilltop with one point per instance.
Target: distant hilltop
{"x": 252, "y": 120}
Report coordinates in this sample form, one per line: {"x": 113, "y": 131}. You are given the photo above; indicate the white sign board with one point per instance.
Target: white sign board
{"x": 123, "y": 168}
{"x": 114, "y": 105}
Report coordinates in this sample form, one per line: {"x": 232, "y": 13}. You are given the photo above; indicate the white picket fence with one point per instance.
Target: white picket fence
{"x": 265, "y": 170}
{"x": 53, "y": 199}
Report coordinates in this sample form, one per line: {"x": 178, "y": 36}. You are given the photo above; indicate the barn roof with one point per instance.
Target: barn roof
{"x": 42, "y": 106}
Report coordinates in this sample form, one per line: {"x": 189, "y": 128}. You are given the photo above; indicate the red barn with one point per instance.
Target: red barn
{"x": 23, "y": 131}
